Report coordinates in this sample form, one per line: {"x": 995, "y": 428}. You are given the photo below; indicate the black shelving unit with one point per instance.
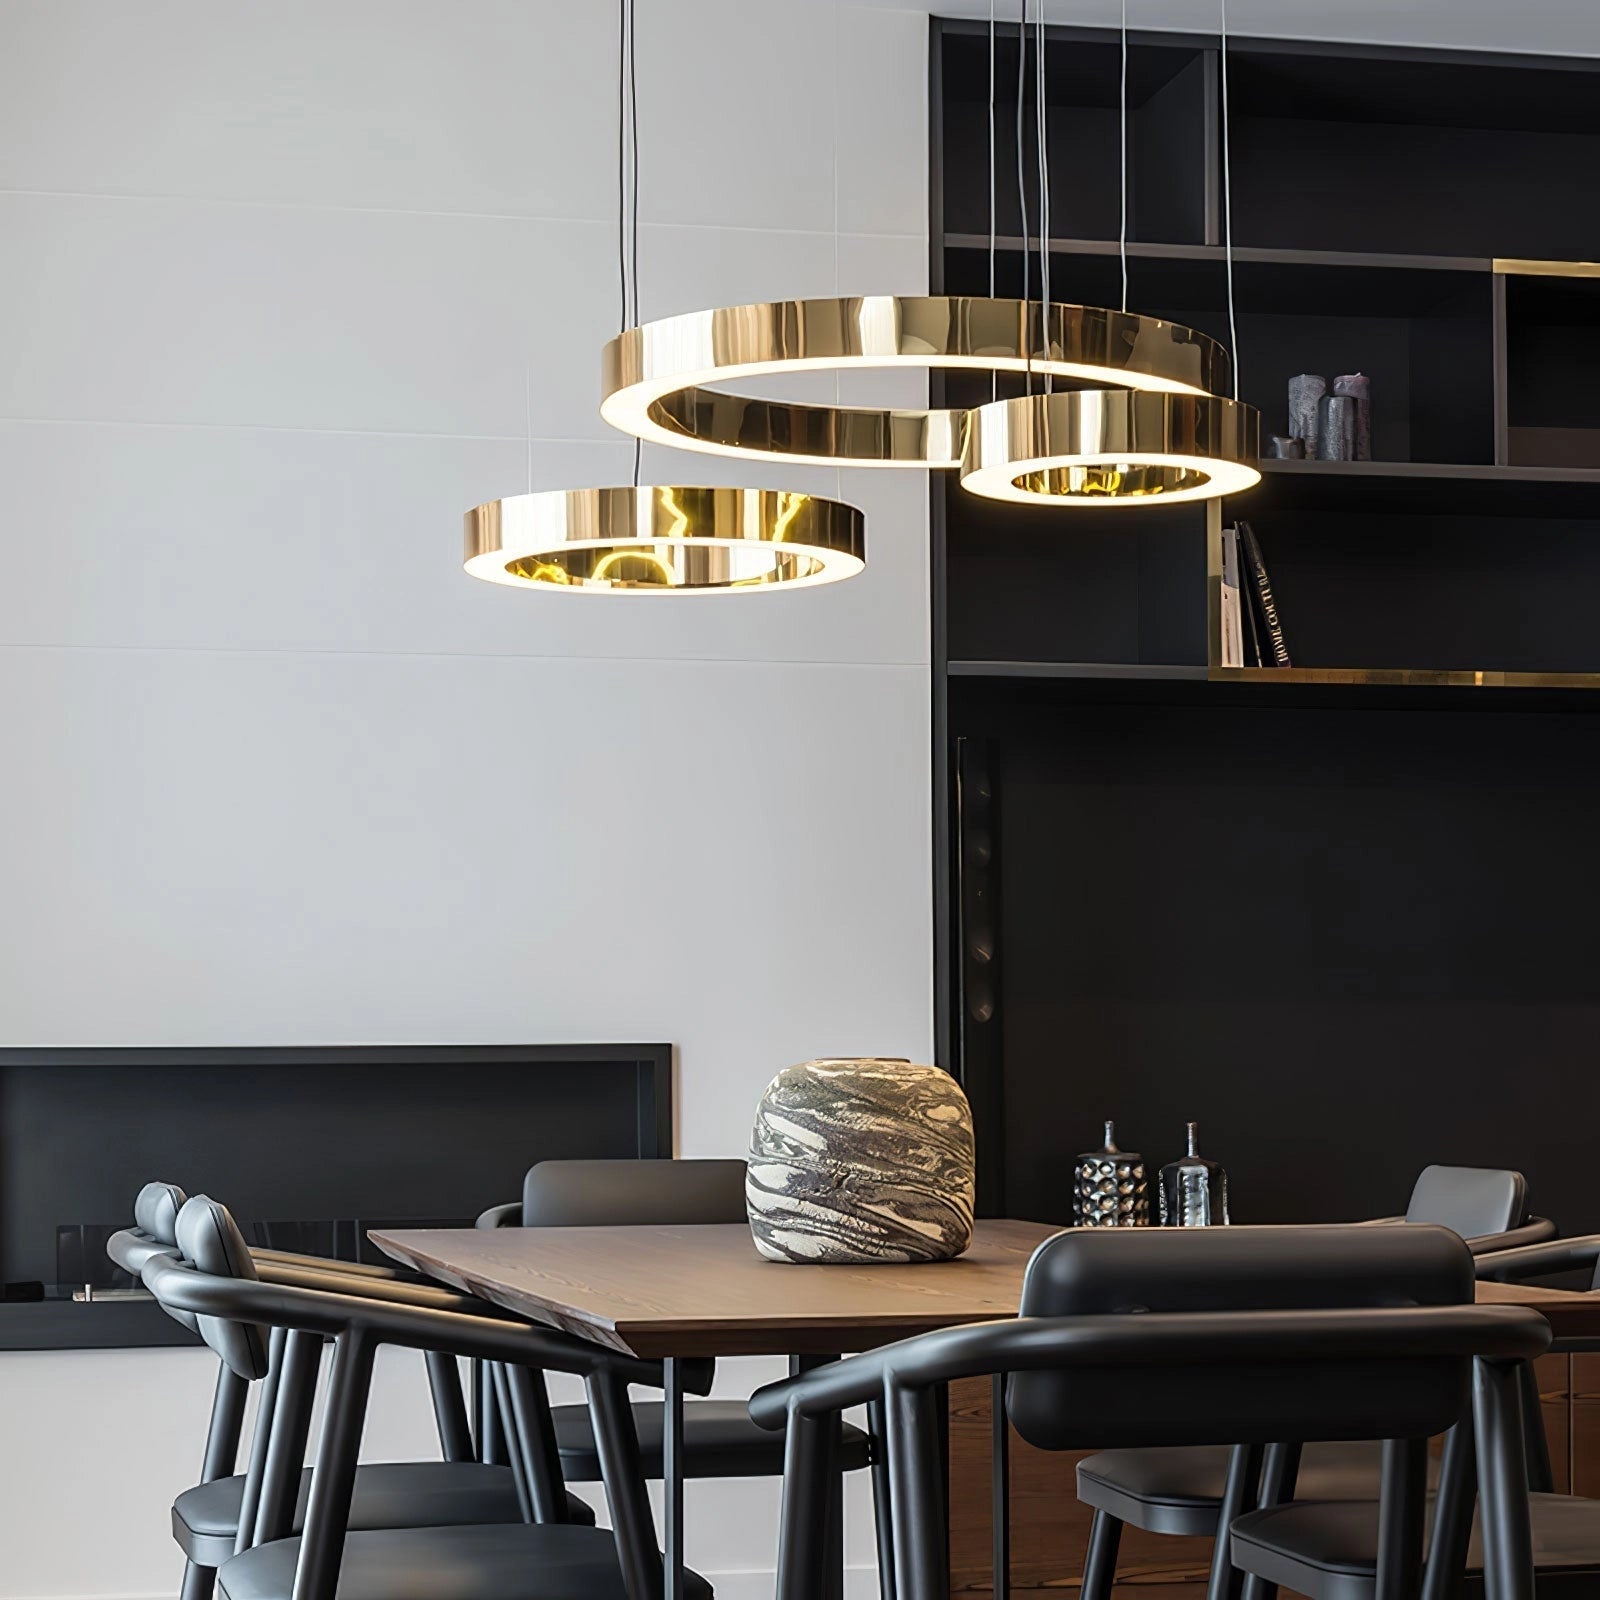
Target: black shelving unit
{"x": 1328, "y": 908}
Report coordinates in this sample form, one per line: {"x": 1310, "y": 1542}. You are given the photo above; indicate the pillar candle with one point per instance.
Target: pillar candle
{"x": 1359, "y": 387}
{"x": 1336, "y": 427}
{"x": 1304, "y": 393}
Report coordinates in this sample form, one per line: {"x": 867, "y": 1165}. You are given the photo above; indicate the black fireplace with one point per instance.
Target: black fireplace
{"x": 309, "y": 1147}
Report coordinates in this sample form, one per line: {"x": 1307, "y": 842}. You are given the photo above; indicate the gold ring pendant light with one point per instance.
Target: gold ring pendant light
{"x": 654, "y": 378}
{"x": 657, "y": 539}
{"x": 660, "y": 540}
{"x": 1156, "y": 428}
{"x": 1111, "y": 447}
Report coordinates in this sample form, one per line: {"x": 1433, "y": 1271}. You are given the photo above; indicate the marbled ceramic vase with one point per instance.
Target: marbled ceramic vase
{"x": 861, "y": 1160}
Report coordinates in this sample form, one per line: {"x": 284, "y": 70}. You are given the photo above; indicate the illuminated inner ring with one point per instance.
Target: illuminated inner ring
{"x": 1111, "y": 447}
{"x": 654, "y": 377}
{"x": 664, "y": 540}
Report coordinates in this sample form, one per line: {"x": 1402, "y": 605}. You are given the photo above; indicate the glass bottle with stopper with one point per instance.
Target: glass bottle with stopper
{"x": 1194, "y": 1191}
{"x": 1110, "y": 1187}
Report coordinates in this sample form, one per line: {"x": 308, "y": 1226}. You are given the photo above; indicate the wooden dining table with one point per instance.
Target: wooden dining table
{"x": 674, "y": 1293}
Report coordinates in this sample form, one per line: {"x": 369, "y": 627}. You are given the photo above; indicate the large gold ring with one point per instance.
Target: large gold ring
{"x": 661, "y": 540}
{"x": 653, "y": 377}
{"x": 1111, "y": 447}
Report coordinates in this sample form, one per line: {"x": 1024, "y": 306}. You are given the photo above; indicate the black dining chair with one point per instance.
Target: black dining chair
{"x": 219, "y": 1515}
{"x": 1184, "y": 1491}
{"x": 1330, "y": 1551}
{"x": 1236, "y": 1336}
{"x": 213, "y": 1279}
{"x": 720, "y": 1441}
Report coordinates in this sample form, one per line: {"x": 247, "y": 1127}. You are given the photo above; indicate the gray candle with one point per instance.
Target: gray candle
{"x": 1304, "y": 393}
{"x": 1359, "y": 387}
{"x": 1336, "y": 427}
{"x": 1280, "y": 448}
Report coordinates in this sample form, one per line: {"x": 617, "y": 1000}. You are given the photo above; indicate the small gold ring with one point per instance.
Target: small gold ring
{"x": 1111, "y": 447}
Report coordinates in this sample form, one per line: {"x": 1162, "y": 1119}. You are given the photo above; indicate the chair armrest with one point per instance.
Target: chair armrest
{"x": 507, "y": 1216}
{"x": 1534, "y": 1231}
{"x": 1020, "y": 1344}
{"x": 360, "y": 1269}
{"x": 392, "y": 1291}
{"x": 1540, "y": 1260}
{"x": 332, "y": 1312}
{"x": 130, "y": 1249}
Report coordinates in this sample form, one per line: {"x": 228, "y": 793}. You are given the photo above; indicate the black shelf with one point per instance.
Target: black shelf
{"x": 1076, "y": 670}
{"x": 1275, "y": 900}
{"x": 1217, "y": 255}
{"x": 1433, "y": 488}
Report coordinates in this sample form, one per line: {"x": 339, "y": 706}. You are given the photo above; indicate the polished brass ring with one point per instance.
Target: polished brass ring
{"x": 654, "y": 377}
{"x": 1111, "y": 447}
{"x": 664, "y": 540}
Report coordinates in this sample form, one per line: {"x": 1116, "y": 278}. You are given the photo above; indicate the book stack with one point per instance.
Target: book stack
{"x": 1252, "y": 634}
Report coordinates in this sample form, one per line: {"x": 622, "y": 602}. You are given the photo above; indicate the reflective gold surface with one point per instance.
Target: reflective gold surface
{"x": 654, "y": 377}
{"x": 1520, "y": 267}
{"x": 1111, "y": 447}
{"x": 665, "y": 540}
{"x": 1408, "y": 677}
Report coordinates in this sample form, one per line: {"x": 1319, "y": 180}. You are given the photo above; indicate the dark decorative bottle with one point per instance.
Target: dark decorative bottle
{"x": 1194, "y": 1191}
{"x": 1110, "y": 1187}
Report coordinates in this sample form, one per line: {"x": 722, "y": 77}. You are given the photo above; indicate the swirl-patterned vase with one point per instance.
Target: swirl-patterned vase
{"x": 861, "y": 1160}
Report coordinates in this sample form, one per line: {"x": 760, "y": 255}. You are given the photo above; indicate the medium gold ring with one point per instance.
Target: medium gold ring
{"x": 665, "y": 540}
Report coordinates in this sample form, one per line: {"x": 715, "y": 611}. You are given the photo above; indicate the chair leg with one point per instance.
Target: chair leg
{"x": 801, "y": 1568}
{"x": 916, "y": 1463}
{"x": 199, "y": 1583}
{"x": 1508, "y": 1572}
{"x": 1444, "y": 1575}
{"x": 1541, "y": 1480}
{"x": 1239, "y": 1495}
{"x": 1000, "y": 1487}
{"x": 1100, "y": 1564}
{"x": 882, "y": 1519}
{"x": 1279, "y": 1472}
{"x": 1401, "y": 1512}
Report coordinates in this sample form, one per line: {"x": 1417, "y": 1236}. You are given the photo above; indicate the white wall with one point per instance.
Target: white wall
{"x": 282, "y": 289}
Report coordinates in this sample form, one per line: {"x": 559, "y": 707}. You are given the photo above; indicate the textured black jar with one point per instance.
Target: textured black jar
{"x": 1110, "y": 1187}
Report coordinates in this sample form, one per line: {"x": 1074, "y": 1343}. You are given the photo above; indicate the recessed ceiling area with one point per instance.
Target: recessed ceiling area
{"x": 1541, "y": 27}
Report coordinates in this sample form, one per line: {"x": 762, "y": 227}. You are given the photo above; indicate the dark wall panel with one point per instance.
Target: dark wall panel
{"x": 1348, "y": 943}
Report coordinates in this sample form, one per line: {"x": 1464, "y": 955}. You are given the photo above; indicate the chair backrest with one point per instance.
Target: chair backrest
{"x": 155, "y": 1211}
{"x": 210, "y": 1240}
{"x": 1470, "y": 1201}
{"x": 1087, "y": 1272}
{"x": 583, "y": 1194}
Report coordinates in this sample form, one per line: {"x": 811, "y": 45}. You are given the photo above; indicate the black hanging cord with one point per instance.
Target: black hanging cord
{"x": 1022, "y": 190}
{"x": 1041, "y": 112}
{"x": 622, "y": 162}
{"x": 628, "y": 180}
{"x": 994, "y": 185}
